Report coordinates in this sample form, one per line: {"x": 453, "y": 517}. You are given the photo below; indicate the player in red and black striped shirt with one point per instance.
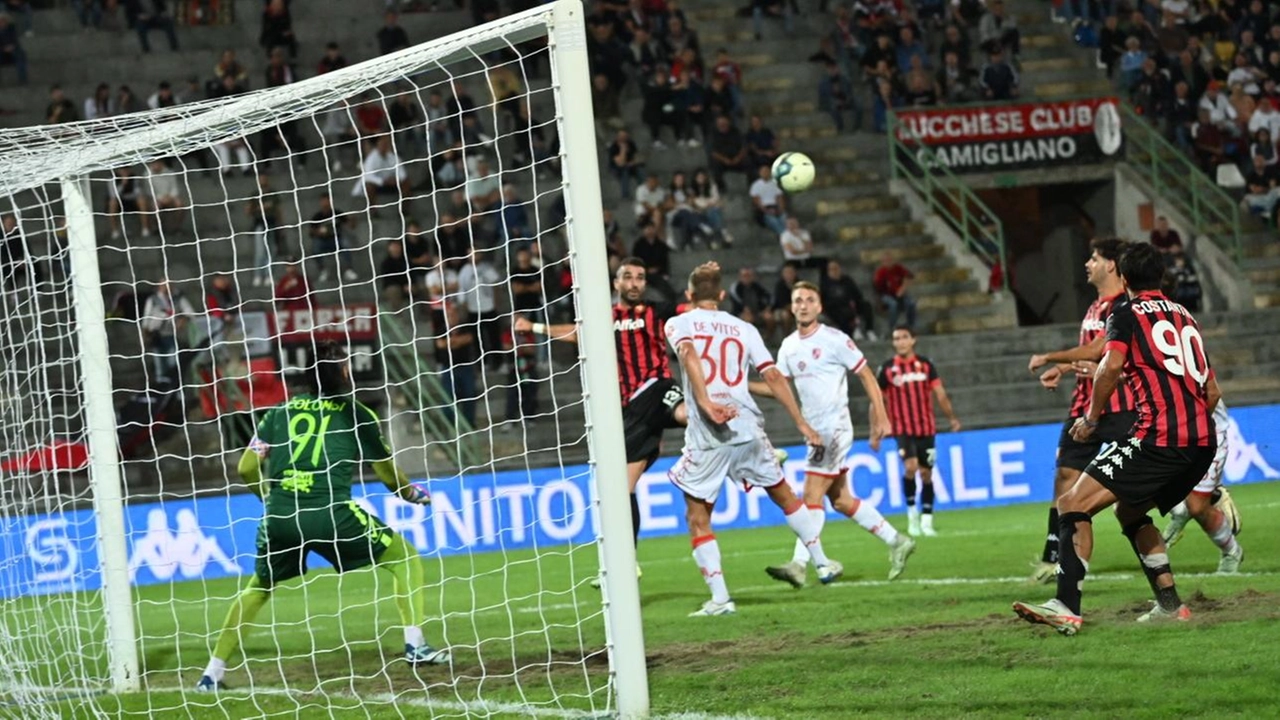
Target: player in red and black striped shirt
{"x": 1119, "y": 416}
{"x": 1154, "y": 344}
{"x": 910, "y": 384}
{"x": 651, "y": 400}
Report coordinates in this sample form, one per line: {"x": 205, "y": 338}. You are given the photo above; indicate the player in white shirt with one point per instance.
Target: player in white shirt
{"x": 819, "y": 359}
{"x": 725, "y": 435}
{"x": 1211, "y": 505}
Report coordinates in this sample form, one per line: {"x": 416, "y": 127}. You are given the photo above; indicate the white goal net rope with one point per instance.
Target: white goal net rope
{"x": 409, "y": 208}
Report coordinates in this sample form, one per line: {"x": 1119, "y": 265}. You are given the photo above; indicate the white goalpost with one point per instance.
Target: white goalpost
{"x": 164, "y": 279}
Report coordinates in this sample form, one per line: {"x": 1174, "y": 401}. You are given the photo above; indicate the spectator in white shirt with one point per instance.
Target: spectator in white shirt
{"x": 1247, "y": 75}
{"x": 484, "y": 190}
{"x": 165, "y": 190}
{"x": 1265, "y": 118}
{"x": 100, "y": 105}
{"x": 651, "y": 203}
{"x": 382, "y": 172}
{"x": 442, "y": 283}
{"x": 165, "y": 319}
{"x": 478, "y": 281}
{"x": 163, "y": 97}
{"x": 797, "y": 246}
{"x": 769, "y": 202}
{"x": 1221, "y": 112}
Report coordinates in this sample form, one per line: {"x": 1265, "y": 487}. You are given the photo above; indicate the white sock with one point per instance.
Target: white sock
{"x": 413, "y": 636}
{"x": 1222, "y": 537}
{"x": 216, "y": 669}
{"x": 817, "y": 516}
{"x": 802, "y": 525}
{"x": 706, "y": 552}
{"x": 873, "y": 522}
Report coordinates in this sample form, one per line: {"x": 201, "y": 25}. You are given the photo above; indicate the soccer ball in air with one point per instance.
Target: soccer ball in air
{"x": 793, "y": 172}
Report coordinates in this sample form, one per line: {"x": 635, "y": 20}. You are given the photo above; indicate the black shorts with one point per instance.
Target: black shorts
{"x": 919, "y": 447}
{"x": 646, "y": 416}
{"x": 1139, "y": 474}
{"x": 1112, "y": 427}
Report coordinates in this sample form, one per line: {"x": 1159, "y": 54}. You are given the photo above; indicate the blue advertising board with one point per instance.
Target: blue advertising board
{"x": 212, "y": 537}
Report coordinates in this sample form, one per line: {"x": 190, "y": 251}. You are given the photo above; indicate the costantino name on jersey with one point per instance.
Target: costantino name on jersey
{"x": 316, "y": 404}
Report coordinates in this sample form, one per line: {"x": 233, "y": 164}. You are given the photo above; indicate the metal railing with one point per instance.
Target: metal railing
{"x": 948, "y": 197}
{"x": 423, "y": 391}
{"x": 1176, "y": 179}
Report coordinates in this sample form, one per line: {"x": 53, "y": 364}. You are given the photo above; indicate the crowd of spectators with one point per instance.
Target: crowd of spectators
{"x": 403, "y": 144}
{"x": 1205, "y": 74}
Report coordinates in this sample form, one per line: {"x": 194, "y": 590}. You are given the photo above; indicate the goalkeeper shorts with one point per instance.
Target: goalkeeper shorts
{"x": 345, "y": 535}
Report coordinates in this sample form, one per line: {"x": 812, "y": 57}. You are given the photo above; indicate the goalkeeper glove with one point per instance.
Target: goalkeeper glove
{"x": 415, "y": 495}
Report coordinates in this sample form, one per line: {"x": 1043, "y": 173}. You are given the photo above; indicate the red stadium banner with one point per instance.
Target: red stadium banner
{"x": 354, "y": 325}
{"x": 1018, "y": 136}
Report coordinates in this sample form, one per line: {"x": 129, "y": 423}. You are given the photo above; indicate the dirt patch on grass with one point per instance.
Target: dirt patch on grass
{"x": 1206, "y": 610}
{"x": 728, "y": 655}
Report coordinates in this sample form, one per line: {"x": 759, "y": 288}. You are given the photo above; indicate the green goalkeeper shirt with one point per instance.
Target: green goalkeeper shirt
{"x": 312, "y": 446}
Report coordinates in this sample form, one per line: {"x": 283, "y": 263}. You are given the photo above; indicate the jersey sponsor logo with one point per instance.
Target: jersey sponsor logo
{"x": 629, "y": 325}
{"x": 166, "y": 553}
{"x": 902, "y": 378}
{"x": 1093, "y": 325}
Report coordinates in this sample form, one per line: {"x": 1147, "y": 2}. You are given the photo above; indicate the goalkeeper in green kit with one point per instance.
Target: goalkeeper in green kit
{"x": 300, "y": 462}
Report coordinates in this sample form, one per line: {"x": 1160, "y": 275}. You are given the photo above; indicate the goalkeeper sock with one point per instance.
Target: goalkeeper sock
{"x": 706, "y": 552}
{"x": 818, "y": 517}
{"x": 1050, "y": 554}
{"x": 802, "y": 525}
{"x": 909, "y": 489}
{"x": 405, "y": 565}
{"x": 926, "y": 498}
{"x": 873, "y": 522}
{"x": 216, "y": 669}
{"x": 635, "y": 519}
{"x": 243, "y": 610}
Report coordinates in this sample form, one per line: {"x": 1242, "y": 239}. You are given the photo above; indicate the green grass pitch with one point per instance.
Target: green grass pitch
{"x": 940, "y": 642}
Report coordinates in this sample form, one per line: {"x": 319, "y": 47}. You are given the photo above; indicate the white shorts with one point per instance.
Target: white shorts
{"x": 828, "y": 460}
{"x": 1213, "y": 479}
{"x": 701, "y": 473}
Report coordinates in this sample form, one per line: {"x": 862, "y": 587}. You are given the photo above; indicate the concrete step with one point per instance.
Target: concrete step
{"x": 952, "y": 296}
{"x": 1040, "y": 65}
{"x": 898, "y": 233}
{"x": 860, "y": 205}
{"x": 916, "y": 255}
{"x": 1049, "y": 91}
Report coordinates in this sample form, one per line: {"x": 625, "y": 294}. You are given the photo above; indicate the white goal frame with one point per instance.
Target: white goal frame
{"x": 66, "y": 154}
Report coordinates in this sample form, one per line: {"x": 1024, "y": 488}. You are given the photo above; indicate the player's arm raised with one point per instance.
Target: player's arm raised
{"x": 1091, "y": 352}
{"x": 879, "y": 416}
{"x": 564, "y": 332}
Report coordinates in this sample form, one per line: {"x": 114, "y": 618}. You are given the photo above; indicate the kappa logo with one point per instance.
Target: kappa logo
{"x": 188, "y": 551}
{"x": 1243, "y": 456}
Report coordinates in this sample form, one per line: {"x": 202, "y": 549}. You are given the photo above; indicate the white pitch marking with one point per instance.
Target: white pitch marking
{"x": 471, "y": 708}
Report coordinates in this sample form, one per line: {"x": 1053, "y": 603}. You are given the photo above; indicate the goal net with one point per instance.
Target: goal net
{"x": 166, "y": 278}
